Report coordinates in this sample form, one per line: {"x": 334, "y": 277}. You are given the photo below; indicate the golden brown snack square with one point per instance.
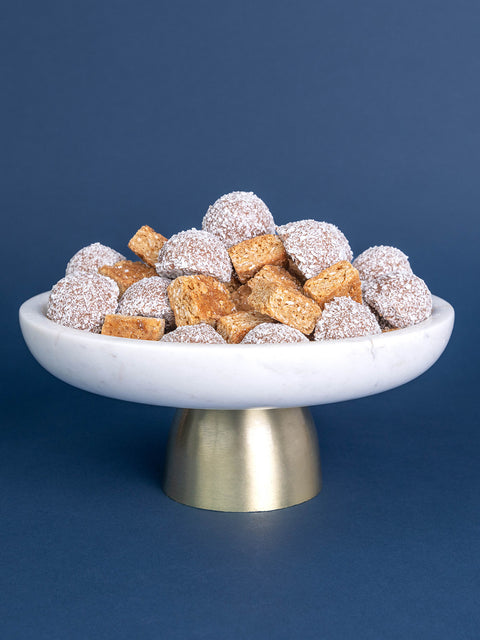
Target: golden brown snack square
{"x": 269, "y": 273}
{"x": 240, "y": 298}
{"x": 196, "y": 299}
{"x": 275, "y": 275}
{"x": 287, "y": 305}
{"x": 341, "y": 279}
{"x": 146, "y": 244}
{"x": 234, "y": 327}
{"x": 249, "y": 256}
{"x": 126, "y": 272}
{"x": 136, "y": 327}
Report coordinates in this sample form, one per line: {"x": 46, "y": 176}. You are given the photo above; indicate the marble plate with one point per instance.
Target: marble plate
{"x": 201, "y": 376}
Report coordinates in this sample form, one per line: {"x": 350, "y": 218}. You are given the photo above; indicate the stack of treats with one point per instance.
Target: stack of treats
{"x": 240, "y": 279}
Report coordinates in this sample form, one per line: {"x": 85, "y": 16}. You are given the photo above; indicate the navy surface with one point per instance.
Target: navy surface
{"x": 118, "y": 114}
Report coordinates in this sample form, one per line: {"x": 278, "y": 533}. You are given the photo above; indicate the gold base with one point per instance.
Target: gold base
{"x": 244, "y": 460}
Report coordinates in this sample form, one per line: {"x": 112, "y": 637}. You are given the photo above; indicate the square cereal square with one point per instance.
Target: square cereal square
{"x": 251, "y": 255}
{"x": 146, "y": 244}
{"x": 136, "y": 327}
{"x": 200, "y": 298}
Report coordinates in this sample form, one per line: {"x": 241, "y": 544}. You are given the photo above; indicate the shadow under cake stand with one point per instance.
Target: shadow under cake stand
{"x": 244, "y": 440}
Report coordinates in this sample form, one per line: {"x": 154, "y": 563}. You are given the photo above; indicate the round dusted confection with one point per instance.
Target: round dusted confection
{"x": 342, "y": 317}
{"x": 91, "y": 258}
{"x": 199, "y": 333}
{"x": 270, "y": 333}
{"x": 194, "y": 252}
{"x": 313, "y": 246}
{"x": 82, "y": 300}
{"x": 380, "y": 261}
{"x": 401, "y": 299}
{"x": 238, "y": 216}
{"x": 148, "y": 297}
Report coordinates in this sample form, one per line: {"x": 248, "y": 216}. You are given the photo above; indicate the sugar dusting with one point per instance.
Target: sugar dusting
{"x": 91, "y": 258}
{"x": 197, "y": 333}
{"x": 269, "y": 333}
{"x": 148, "y": 297}
{"x": 238, "y": 216}
{"x": 194, "y": 252}
{"x": 345, "y": 318}
{"x": 401, "y": 299}
{"x": 313, "y": 246}
{"x": 82, "y": 300}
{"x": 381, "y": 260}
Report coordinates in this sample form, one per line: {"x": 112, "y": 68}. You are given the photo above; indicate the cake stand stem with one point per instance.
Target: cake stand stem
{"x": 242, "y": 460}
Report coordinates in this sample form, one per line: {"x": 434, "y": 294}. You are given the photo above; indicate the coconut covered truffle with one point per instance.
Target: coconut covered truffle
{"x": 91, "y": 258}
{"x": 314, "y": 246}
{"x": 345, "y": 318}
{"x": 238, "y": 216}
{"x": 147, "y": 297}
{"x": 199, "y": 333}
{"x": 194, "y": 252}
{"x": 401, "y": 299}
{"x": 82, "y": 300}
{"x": 269, "y": 333}
{"x": 380, "y": 261}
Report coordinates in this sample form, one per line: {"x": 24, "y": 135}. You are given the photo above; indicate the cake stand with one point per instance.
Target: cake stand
{"x": 243, "y": 440}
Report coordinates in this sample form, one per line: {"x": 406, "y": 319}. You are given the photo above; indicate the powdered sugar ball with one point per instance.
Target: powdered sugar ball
{"x": 82, "y": 300}
{"x": 270, "y": 333}
{"x": 313, "y": 246}
{"x": 401, "y": 299}
{"x": 194, "y": 252}
{"x": 342, "y": 317}
{"x": 238, "y": 216}
{"x": 148, "y": 297}
{"x": 381, "y": 260}
{"x": 91, "y": 258}
{"x": 200, "y": 333}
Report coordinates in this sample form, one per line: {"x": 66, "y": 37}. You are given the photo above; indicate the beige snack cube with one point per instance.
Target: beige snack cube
{"x": 234, "y": 327}
{"x": 341, "y": 279}
{"x": 200, "y": 298}
{"x": 287, "y": 305}
{"x": 240, "y": 298}
{"x": 251, "y": 255}
{"x": 275, "y": 275}
{"x": 270, "y": 273}
{"x": 136, "y": 327}
{"x": 146, "y": 244}
{"x": 126, "y": 272}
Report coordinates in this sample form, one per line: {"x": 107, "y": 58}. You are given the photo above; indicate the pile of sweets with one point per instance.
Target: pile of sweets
{"x": 240, "y": 279}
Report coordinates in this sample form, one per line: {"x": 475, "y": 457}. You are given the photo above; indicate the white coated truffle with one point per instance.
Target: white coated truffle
{"x": 148, "y": 297}
{"x": 314, "y": 246}
{"x": 194, "y": 333}
{"x": 238, "y": 216}
{"x": 270, "y": 333}
{"x": 82, "y": 300}
{"x": 91, "y": 258}
{"x": 194, "y": 252}
{"x": 342, "y": 317}
{"x": 401, "y": 299}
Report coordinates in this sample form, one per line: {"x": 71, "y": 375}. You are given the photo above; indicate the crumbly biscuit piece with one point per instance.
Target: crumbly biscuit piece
{"x": 234, "y": 327}
{"x": 275, "y": 275}
{"x": 136, "y": 327}
{"x": 196, "y": 299}
{"x": 285, "y": 304}
{"x": 240, "y": 298}
{"x": 146, "y": 244}
{"x": 340, "y": 279}
{"x": 251, "y": 255}
{"x": 270, "y": 273}
{"x": 126, "y": 272}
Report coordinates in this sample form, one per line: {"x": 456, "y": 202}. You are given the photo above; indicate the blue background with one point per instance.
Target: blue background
{"x": 118, "y": 114}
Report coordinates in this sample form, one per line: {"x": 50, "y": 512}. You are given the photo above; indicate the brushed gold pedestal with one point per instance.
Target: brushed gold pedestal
{"x": 243, "y": 460}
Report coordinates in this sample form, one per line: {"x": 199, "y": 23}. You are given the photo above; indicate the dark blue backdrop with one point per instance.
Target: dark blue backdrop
{"x": 118, "y": 114}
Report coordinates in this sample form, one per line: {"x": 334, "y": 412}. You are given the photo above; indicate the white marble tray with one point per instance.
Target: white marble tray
{"x": 201, "y": 376}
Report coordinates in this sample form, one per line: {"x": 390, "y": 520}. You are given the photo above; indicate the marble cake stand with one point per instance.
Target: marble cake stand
{"x": 244, "y": 440}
